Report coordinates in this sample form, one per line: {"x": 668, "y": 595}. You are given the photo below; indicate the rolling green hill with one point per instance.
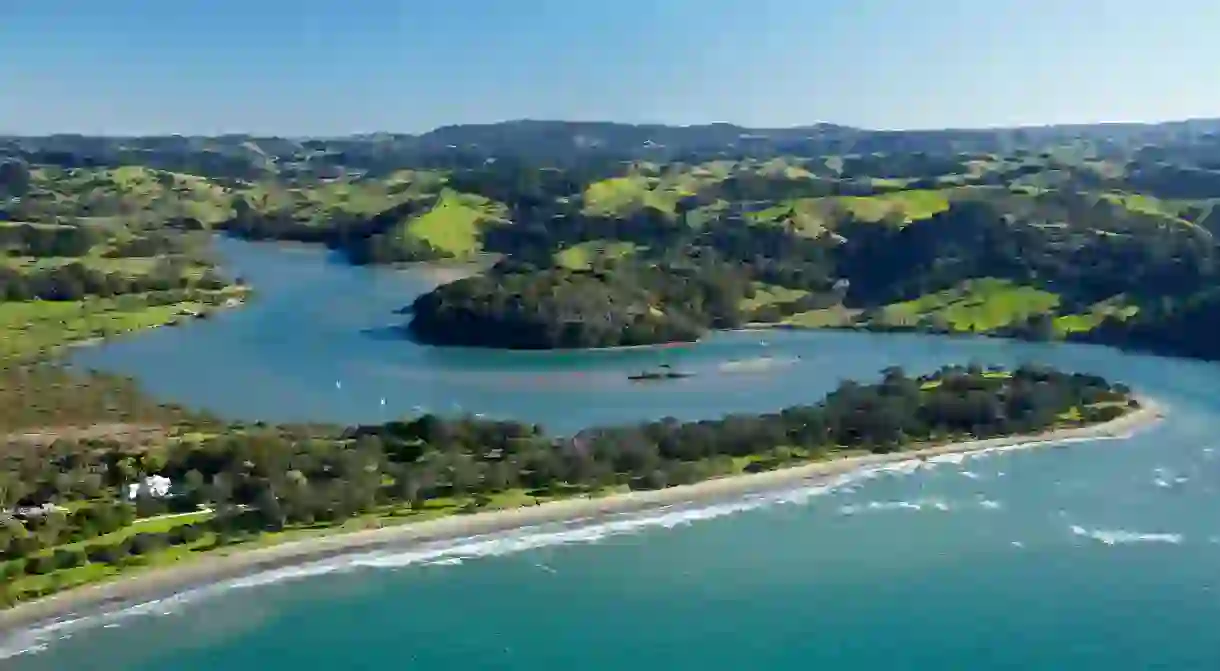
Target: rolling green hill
{"x": 1064, "y": 230}
{"x": 624, "y": 195}
{"x": 980, "y": 306}
{"x": 585, "y": 254}
{"x": 906, "y": 206}
{"x": 454, "y": 224}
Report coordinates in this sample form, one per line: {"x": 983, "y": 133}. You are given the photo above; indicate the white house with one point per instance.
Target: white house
{"x": 28, "y": 512}
{"x": 154, "y": 485}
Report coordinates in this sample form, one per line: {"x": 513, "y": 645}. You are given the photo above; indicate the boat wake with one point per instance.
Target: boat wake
{"x": 757, "y": 365}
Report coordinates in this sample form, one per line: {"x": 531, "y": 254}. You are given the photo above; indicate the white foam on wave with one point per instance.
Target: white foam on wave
{"x": 881, "y": 505}
{"x": 1167, "y": 479}
{"x": 917, "y": 505}
{"x": 962, "y": 457}
{"x": 586, "y": 530}
{"x": 528, "y": 538}
{"x": 1121, "y": 537}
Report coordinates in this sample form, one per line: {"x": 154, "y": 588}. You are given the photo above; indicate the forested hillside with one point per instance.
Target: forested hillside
{"x": 612, "y": 234}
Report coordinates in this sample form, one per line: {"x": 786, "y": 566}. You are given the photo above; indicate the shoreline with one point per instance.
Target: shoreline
{"x": 164, "y": 582}
{"x": 231, "y": 303}
{"x": 672, "y": 344}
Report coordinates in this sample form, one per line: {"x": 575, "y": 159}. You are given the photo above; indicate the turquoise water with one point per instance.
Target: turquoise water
{"x": 318, "y": 322}
{"x": 1100, "y": 556}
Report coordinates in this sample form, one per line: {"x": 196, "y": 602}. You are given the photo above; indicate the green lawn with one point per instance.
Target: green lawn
{"x": 1081, "y": 323}
{"x": 784, "y": 167}
{"x": 1151, "y": 206}
{"x": 583, "y": 255}
{"x": 130, "y": 267}
{"x": 454, "y": 223}
{"x": 33, "y": 224}
{"x": 132, "y": 191}
{"x": 769, "y": 294}
{"x": 806, "y": 217}
{"x": 979, "y": 306}
{"x": 1140, "y": 203}
{"x": 31, "y": 586}
{"x": 911, "y": 205}
{"x": 823, "y": 318}
{"x": 810, "y": 217}
{"x": 364, "y": 197}
{"x": 975, "y": 306}
{"x": 318, "y": 202}
{"x": 624, "y": 195}
{"x": 34, "y": 328}
{"x": 987, "y": 304}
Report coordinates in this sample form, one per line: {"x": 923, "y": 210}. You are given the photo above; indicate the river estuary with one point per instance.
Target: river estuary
{"x": 1101, "y": 556}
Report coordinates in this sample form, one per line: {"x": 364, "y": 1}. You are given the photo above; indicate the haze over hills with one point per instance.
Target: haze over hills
{"x": 559, "y": 140}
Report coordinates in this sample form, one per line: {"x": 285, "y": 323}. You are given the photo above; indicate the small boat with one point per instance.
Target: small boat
{"x": 665, "y": 373}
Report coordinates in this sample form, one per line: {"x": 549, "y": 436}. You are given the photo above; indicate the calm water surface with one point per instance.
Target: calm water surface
{"x": 1100, "y": 556}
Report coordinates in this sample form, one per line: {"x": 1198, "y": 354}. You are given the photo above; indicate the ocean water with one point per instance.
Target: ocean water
{"x": 1091, "y": 555}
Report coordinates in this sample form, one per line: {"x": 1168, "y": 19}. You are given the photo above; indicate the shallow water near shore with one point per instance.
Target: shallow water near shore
{"x": 1098, "y": 556}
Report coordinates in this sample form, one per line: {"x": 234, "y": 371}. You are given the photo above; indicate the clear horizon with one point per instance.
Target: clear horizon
{"x": 310, "y": 68}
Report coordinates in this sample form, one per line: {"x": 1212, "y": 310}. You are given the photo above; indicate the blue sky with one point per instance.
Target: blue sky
{"x": 297, "y": 67}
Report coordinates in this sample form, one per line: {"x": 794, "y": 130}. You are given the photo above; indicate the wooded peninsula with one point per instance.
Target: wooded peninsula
{"x": 74, "y": 521}
{"x": 593, "y": 235}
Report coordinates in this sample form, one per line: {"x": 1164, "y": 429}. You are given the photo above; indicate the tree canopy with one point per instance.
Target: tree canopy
{"x": 255, "y": 478}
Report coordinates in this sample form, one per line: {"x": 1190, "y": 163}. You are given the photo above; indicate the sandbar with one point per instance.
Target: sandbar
{"x": 212, "y": 568}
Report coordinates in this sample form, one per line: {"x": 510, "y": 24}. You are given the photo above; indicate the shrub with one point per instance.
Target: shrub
{"x": 23, "y": 546}
{"x": 145, "y": 543}
{"x": 40, "y": 565}
{"x": 113, "y": 553}
{"x": 68, "y": 558}
{"x": 187, "y": 533}
{"x": 190, "y": 533}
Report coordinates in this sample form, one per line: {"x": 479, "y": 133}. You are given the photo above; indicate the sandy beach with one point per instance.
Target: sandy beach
{"x": 163, "y": 582}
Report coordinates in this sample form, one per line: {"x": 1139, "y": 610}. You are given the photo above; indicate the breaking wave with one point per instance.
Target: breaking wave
{"x": 1120, "y": 537}
{"x": 585, "y": 530}
{"x": 920, "y": 504}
